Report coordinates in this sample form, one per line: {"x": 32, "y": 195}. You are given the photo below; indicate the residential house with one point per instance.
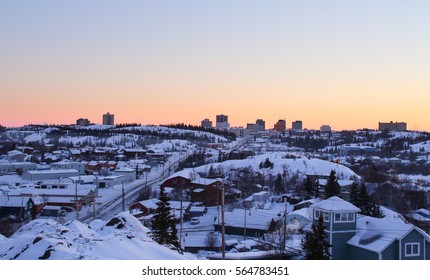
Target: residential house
{"x": 355, "y": 236}
{"x": 206, "y": 191}
{"x": 179, "y": 180}
{"x": 340, "y": 219}
{"x": 15, "y": 206}
{"x": 253, "y": 223}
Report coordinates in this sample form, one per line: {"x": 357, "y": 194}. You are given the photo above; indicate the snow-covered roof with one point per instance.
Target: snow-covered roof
{"x": 186, "y": 173}
{"x": 256, "y": 219}
{"x": 335, "y": 203}
{"x": 375, "y": 234}
{"x": 52, "y": 171}
{"x": 304, "y": 212}
{"x": 152, "y": 204}
{"x": 206, "y": 181}
{"x": 342, "y": 183}
{"x": 12, "y": 201}
{"x": 125, "y": 169}
{"x": 82, "y": 190}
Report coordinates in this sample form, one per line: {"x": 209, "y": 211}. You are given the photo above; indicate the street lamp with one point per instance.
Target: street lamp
{"x": 76, "y": 195}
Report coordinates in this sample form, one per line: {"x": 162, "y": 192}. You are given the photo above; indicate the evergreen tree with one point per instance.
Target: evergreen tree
{"x": 315, "y": 243}
{"x": 309, "y": 188}
{"x": 279, "y": 186}
{"x": 164, "y": 223}
{"x": 361, "y": 199}
{"x": 354, "y": 194}
{"x": 332, "y": 188}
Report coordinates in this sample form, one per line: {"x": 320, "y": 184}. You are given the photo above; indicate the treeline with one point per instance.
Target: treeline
{"x": 75, "y": 131}
{"x": 224, "y": 133}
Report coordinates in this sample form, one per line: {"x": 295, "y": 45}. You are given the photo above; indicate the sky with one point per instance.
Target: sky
{"x": 348, "y": 64}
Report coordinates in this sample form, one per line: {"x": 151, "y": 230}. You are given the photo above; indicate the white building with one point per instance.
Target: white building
{"x": 51, "y": 174}
{"x": 80, "y": 166}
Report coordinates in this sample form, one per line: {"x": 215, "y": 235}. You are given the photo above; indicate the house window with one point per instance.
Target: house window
{"x": 343, "y": 217}
{"x": 326, "y": 216}
{"x": 412, "y": 249}
{"x": 317, "y": 214}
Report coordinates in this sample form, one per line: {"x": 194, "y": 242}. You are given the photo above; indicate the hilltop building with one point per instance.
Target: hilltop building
{"x": 280, "y": 126}
{"x": 206, "y": 123}
{"x": 108, "y": 119}
{"x": 392, "y": 126}
{"x": 83, "y": 122}
{"x": 222, "y": 121}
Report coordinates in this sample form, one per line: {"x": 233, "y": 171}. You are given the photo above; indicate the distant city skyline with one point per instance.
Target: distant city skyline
{"x": 347, "y": 64}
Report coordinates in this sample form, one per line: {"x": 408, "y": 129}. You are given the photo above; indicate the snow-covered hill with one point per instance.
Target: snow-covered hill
{"x": 122, "y": 238}
{"x": 293, "y": 166}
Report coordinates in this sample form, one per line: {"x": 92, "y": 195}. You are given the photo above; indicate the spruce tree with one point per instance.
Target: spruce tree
{"x": 309, "y": 188}
{"x": 354, "y": 194}
{"x": 315, "y": 243}
{"x": 367, "y": 207}
{"x": 332, "y": 188}
{"x": 361, "y": 199}
{"x": 164, "y": 223}
{"x": 279, "y": 186}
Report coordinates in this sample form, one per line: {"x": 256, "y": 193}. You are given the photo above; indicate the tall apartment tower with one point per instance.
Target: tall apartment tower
{"x": 297, "y": 125}
{"x": 280, "y": 126}
{"x": 108, "y": 119}
{"x": 222, "y": 121}
{"x": 261, "y": 123}
{"x": 206, "y": 123}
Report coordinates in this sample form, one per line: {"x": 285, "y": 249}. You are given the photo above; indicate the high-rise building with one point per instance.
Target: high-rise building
{"x": 280, "y": 126}
{"x": 325, "y": 128}
{"x": 261, "y": 123}
{"x": 392, "y": 126}
{"x": 297, "y": 125}
{"x": 206, "y": 123}
{"x": 222, "y": 121}
{"x": 108, "y": 119}
{"x": 82, "y": 122}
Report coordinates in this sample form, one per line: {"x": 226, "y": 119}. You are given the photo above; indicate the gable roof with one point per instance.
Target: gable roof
{"x": 375, "y": 234}
{"x": 335, "y": 203}
{"x": 206, "y": 181}
{"x": 13, "y": 201}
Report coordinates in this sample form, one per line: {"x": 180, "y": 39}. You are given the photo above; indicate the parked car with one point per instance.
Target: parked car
{"x": 195, "y": 221}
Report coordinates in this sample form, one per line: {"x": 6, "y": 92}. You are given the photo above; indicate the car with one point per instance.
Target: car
{"x": 195, "y": 221}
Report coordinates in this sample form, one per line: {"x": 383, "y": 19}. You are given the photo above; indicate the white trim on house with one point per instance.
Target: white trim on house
{"x": 344, "y": 217}
{"x": 414, "y": 248}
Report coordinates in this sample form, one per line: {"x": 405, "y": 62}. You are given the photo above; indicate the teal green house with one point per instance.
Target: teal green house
{"x": 358, "y": 237}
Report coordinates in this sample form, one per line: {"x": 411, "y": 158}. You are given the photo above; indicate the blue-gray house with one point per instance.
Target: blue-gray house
{"x": 358, "y": 237}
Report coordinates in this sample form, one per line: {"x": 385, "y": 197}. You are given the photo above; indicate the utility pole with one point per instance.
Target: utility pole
{"x": 76, "y": 198}
{"x": 244, "y": 228}
{"x": 222, "y": 223}
{"x": 285, "y": 227}
{"x": 180, "y": 231}
{"x": 123, "y": 197}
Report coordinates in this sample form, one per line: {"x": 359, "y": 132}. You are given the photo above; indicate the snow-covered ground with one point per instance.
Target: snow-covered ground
{"x": 122, "y": 238}
{"x": 296, "y": 166}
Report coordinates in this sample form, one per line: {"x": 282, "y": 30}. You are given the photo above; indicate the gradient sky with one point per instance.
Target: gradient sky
{"x": 345, "y": 63}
